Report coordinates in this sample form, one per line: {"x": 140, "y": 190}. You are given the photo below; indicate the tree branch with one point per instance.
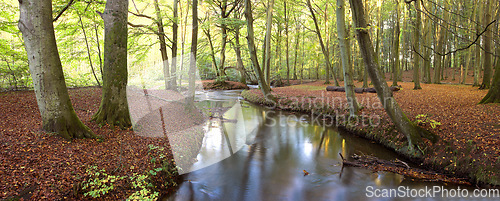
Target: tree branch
{"x": 150, "y": 29}
{"x": 142, "y": 15}
{"x": 64, "y": 9}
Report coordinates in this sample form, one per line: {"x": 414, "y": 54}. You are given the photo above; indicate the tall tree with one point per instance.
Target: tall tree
{"x": 493, "y": 95}
{"x": 267, "y": 46}
{"x": 487, "y": 40}
{"x": 163, "y": 45}
{"x": 395, "y": 48}
{"x": 427, "y": 42}
{"x": 225, "y": 9}
{"x": 114, "y": 106}
{"x": 194, "y": 49}
{"x": 348, "y": 74}
{"x": 438, "y": 58}
{"x": 416, "y": 46}
{"x": 296, "y": 52}
{"x": 55, "y": 107}
{"x": 286, "y": 39}
{"x": 477, "y": 59}
{"x": 323, "y": 47}
{"x": 175, "y": 27}
{"x": 413, "y": 132}
{"x": 264, "y": 87}
{"x": 240, "y": 67}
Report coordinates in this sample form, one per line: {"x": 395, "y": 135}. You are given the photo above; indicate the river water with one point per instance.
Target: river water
{"x": 270, "y": 159}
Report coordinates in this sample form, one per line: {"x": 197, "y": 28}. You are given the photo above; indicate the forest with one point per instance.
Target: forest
{"x": 75, "y": 77}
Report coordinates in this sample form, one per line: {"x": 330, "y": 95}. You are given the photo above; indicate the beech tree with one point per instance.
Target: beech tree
{"x": 192, "y": 59}
{"x": 493, "y": 95}
{"x": 55, "y": 107}
{"x": 114, "y": 106}
{"x": 487, "y": 40}
{"x": 348, "y": 74}
{"x": 266, "y": 90}
{"x": 416, "y": 47}
{"x": 413, "y": 132}
{"x": 395, "y": 48}
{"x": 175, "y": 27}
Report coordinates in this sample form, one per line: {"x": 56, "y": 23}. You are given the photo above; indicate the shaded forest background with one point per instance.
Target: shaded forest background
{"x": 450, "y": 47}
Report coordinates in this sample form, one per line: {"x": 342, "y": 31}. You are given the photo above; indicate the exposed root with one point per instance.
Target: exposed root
{"x": 69, "y": 127}
{"x": 113, "y": 118}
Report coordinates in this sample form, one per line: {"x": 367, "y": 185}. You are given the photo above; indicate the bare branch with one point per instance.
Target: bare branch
{"x": 142, "y": 15}
{"x": 64, "y": 9}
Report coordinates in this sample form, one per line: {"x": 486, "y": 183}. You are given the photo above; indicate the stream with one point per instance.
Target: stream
{"x": 260, "y": 154}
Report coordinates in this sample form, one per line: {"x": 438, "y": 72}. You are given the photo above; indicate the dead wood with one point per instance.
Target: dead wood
{"x": 399, "y": 167}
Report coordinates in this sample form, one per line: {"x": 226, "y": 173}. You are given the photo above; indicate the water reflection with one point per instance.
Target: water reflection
{"x": 271, "y": 163}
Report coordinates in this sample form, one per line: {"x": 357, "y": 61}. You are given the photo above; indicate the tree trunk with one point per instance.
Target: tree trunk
{"x": 114, "y": 106}
{"x": 395, "y": 49}
{"x": 416, "y": 46}
{"x": 55, "y": 107}
{"x": 267, "y": 45}
{"x": 183, "y": 39}
{"x": 402, "y": 123}
{"x": 192, "y": 58}
{"x": 438, "y": 59}
{"x": 427, "y": 53}
{"x": 212, "y": 51}
{"x": 224, "y": 14}
{"x": 175, "y": 27}
{"x": 487, "y": 40}
{"x": 477, "y": 58}
{"x": 323, "y": 48}
{"x": 493, "y": 95}
{"x": 296, "y": 50}
{"x": 163, "y": 45}
{"x": 237, "y": 49}
{"x": 266, "y": 91}
{"x": 467, "y": 62}
{"x": 348, "y": 80}
{"x": 286, "y": 44}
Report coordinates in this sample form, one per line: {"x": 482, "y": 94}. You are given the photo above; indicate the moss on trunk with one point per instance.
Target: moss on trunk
{"x": 114, "y": 106}
{"x": 52, "y": 97}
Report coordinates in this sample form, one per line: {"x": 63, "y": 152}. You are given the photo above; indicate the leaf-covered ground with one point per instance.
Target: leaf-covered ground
{"x": 48, "y": 167}
{"x": 470, "y": 133}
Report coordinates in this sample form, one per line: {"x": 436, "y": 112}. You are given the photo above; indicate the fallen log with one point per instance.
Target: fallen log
{"x": 359, "y": 90}
{"x": 370, "y": 90}
{"x": 333, "y": 88}
{"x": 399, "y": 167}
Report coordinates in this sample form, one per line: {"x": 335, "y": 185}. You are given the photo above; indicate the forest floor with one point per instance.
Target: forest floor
{"x": 37, "y": 165}
{"x": 469, "y": 145}
{"x": 450, "y": 76}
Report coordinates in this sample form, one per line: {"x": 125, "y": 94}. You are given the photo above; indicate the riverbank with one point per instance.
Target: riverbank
{"x": 37, "y": 165}
{"x": 469, "y": 145}
{"x": 226, "y": 85}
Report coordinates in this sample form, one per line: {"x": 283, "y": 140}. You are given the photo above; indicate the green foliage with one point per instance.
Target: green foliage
{"x": 14, "y": 71}
{"x": 424, "y": 119}
{"x": 146, "y": 185}
{"x": 144, "y": 192}
{"x": 99, "y": 182}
